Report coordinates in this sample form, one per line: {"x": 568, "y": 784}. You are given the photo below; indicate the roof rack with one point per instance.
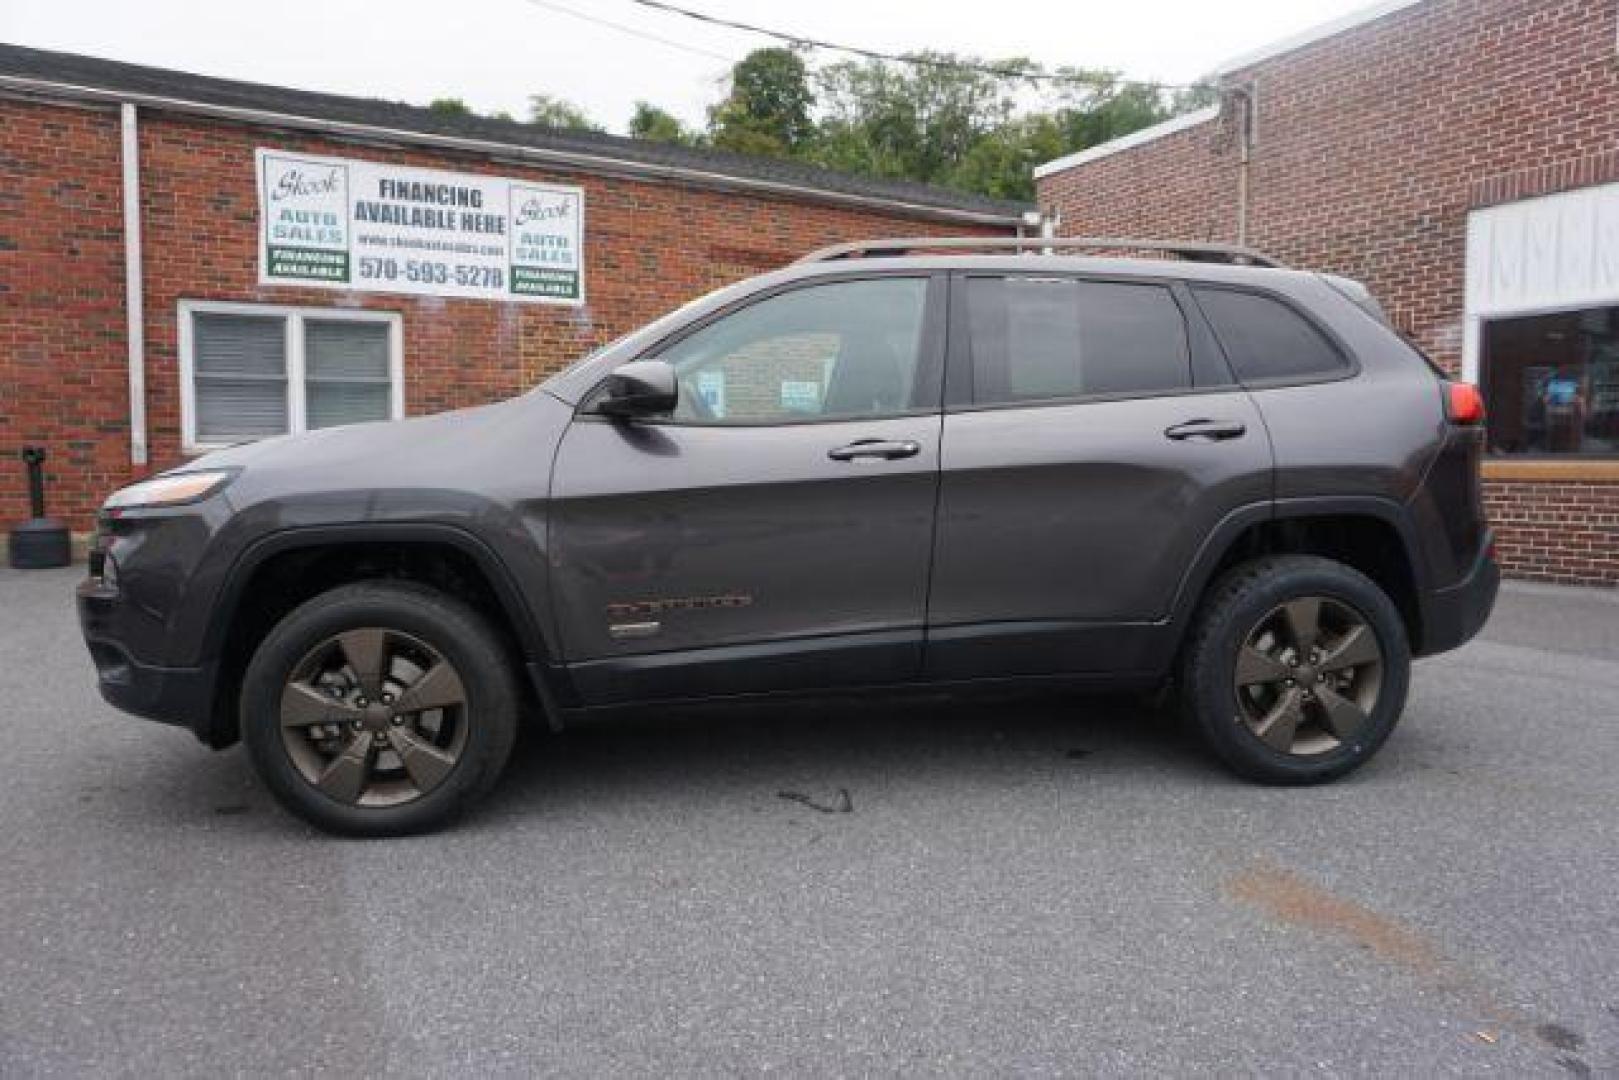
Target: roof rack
{"x": 1191, "y": 251}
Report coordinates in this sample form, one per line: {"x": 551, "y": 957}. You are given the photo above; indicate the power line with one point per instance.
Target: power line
{"x": 901, "y": 58}
{"x": 631, "y": 30}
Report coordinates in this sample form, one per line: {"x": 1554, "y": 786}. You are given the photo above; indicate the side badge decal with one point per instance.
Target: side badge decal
{"x": 644, "y": 610}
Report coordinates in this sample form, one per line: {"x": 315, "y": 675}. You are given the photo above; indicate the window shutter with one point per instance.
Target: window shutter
{"x": 347, "y": 376}
{"x": 240, "y": 370}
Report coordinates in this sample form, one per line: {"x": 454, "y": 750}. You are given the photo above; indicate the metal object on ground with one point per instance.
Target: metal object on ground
{"x": 40, "y": 542}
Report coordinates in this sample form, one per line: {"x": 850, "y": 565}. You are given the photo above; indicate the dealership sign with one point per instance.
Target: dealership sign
{"x": 372, "y": 227}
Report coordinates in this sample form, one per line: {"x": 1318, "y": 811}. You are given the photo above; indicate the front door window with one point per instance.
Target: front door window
{"x": 844, "y": 350}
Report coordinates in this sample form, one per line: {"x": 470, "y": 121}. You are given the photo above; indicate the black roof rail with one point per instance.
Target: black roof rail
{"x": 1192, "y": 251}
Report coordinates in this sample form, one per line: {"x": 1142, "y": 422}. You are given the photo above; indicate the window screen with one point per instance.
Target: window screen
{"x": 346, "y": 372}
{"x": 1044, "y": 337}
{"x": 240, "y": 365}
{"x": 262, "y": 372}
{"x": 1265, "y": 339}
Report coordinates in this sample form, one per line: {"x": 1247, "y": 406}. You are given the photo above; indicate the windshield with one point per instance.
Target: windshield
{"x": 650, "y": 331}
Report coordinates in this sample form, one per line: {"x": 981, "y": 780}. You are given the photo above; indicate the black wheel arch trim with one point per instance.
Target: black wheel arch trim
{"x": 550, "y": 683}
{"x": 1199, "y": 574}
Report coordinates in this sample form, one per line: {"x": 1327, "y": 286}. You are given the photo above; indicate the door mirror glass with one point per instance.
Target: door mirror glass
{"x": 640, "y": 388}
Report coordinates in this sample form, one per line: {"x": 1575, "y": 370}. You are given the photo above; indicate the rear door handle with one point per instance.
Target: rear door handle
{"x": 1207, "y": 430}
{"x": 884, "y": 449}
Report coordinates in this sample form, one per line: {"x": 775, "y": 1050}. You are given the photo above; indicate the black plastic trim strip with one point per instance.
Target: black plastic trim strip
{"x": 531, "y": 637}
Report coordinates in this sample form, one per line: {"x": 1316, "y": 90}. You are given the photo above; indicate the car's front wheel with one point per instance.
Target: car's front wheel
{"x": 379, "y": 708}
{"x": 1297, "y": 669}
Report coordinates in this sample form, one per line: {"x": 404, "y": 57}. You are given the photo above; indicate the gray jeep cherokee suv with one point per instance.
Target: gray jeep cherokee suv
{"x": 893, "y": 464}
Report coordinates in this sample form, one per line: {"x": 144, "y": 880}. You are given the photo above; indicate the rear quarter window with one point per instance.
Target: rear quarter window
{"x": 1265, "y": 339}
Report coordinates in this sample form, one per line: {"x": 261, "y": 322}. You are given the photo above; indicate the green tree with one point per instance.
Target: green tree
{"x": 767, "y": 109}
{"x": 914, "y": 121}
{"x": 1099, "y": 106}
{"x": 1001, "y": 164}
{"x": 659, "y": 125}
{"x": 975, "y": 125}
{"x": 457, "y": 107}
{"x": 545, "y": 110}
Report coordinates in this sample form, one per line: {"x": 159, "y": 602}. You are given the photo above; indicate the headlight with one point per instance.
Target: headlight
{"x": 170, "y": 490}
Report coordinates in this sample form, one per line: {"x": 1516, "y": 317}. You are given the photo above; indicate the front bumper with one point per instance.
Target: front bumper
{"x": 1455, "y": 614}
{"x": 182, "y": 696}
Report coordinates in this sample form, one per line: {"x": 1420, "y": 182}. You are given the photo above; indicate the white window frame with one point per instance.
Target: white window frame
{"x": 294, "y": 337}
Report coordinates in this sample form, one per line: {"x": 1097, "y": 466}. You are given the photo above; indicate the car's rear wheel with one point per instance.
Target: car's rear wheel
{"x": 1297, "y": 669}
{"x": 379, "y": 709}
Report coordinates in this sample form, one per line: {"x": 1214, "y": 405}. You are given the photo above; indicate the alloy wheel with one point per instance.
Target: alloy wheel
{"x": 1308, "y": 676}
{"x": 374, "y": 717}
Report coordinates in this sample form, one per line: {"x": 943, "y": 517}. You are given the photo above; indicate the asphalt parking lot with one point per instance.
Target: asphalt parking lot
{"x": 1029, "y": 885}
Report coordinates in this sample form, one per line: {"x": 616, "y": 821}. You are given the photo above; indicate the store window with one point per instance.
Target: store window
{"x": 251, "y": 371}
{"x": 1551, "y": 383}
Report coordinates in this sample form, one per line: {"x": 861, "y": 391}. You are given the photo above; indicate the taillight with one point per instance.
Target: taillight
{"x": 1463, "y": 403}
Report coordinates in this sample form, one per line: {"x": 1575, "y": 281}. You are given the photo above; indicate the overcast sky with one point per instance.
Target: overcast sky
{"x": 494, "y": 53}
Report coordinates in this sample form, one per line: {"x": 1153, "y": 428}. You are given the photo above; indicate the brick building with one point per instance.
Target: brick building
{"x": 153, "y": 303}
{"x": 1462, "y": 158}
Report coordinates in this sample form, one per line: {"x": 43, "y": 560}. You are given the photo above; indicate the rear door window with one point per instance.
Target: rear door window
{"x": 1038, "y": 338}
{"x": 1266, "y": 339}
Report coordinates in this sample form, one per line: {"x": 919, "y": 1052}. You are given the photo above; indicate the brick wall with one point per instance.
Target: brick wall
{"x": 1561, "y": 531}
{"x": 1372, "y": 147}
{"x": 63, "y": 376}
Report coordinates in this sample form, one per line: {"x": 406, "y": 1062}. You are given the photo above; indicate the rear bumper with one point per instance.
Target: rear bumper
{"x": 1457, "y": 613}
{"x": 181, "y": 696}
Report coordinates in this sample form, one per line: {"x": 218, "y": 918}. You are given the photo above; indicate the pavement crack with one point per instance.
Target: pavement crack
{"x": 1556, "y": 1035}
{"x": 842, "y": 804}
{"x": 1575, "y": 1066}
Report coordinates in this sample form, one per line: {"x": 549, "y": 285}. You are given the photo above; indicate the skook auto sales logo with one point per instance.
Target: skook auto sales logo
{"x": 295, "y": 183}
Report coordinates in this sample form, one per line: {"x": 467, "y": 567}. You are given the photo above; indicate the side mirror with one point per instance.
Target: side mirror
{"x": 640, "y": 388}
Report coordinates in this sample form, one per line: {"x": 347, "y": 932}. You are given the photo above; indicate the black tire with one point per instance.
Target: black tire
{"x": 1234, "y": 608}
{"x": 456, "y": 632}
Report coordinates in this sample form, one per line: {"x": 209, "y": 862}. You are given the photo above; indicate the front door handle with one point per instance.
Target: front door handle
{"x": 1207, "y": 430}
{"x": 884, "y": 449}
